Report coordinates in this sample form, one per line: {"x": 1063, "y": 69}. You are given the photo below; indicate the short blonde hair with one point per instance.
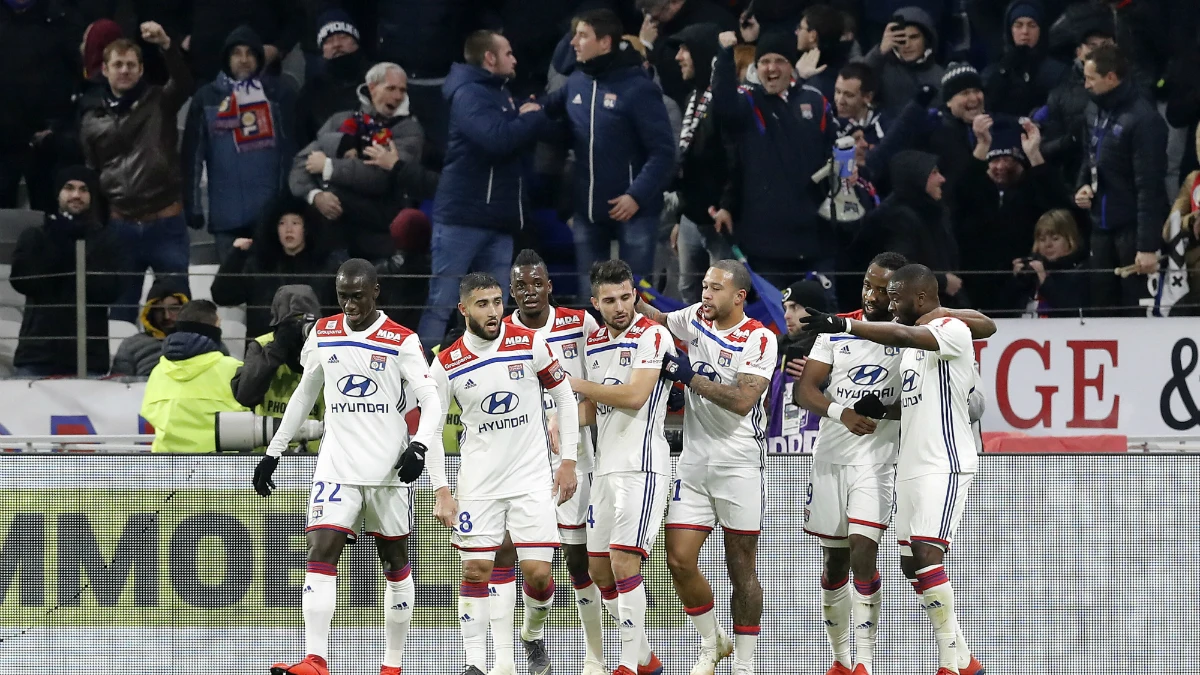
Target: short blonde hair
{"x": 1060, "y": 222}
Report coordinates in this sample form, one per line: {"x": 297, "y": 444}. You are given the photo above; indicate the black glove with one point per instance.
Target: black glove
{"x": 262, "y": 475}
{"x": 925, "y": 95}
{"x": 820, "y": 322}
{"x": 289, "y": 335}
{"x": 678, "y": 368}
{"x": 412, "y": 462}
{"x": 870, "y": 406}
{"x": 675, "y": 400}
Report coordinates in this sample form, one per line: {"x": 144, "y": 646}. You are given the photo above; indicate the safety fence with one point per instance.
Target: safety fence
{"x": 172, "y": 564}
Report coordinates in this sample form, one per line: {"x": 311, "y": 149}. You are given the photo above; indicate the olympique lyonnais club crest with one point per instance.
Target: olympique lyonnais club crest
{"x": 725, "y": 358}
{"x": 570, "y": 351}
{"x": 516, "y": 371}
{"x": 378, "y": 362}
{"x": 626, "y": 358}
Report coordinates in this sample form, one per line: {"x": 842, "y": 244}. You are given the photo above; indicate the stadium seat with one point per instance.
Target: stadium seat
{"x": 235, "y": 314}
{"x": 118, "y": 331}
{"x": 12, "y": 222}
{"x": 9, "y": 297}
{"x": 203, "y": 249}
{"x": 200, "y": 278}
{"x": 233, "y": 333}
{"x": 9, "y": 330}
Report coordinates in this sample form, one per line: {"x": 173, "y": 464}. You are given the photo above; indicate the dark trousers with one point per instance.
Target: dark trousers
{"x": 1112, "y": 295}
{"x": 161, "y": 245}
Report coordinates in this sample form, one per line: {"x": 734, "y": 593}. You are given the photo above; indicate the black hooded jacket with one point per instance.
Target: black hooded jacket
{"x": 1022, "y": 80}
{"x": 706, "y": 166}
{"x": 330, "y": 92}
{"x": 313, "y": 266}
{"x": 43, "y": 270}
{"x": 210, "y": 22}
{"x": 911, "y": 222}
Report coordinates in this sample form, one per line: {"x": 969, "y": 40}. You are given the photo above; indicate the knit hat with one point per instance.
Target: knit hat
{"x": 1025, "y": 10}
{"x": 807, "y": 293}
{"x": 80, "y": 173}
{"x": 783, "y": 44}
{"x": 335, "y": 21}
{"x": 411, "y": 231}
{"x": 1006, "y": 141}
{"x": 959, "y": 77}
{"x": 99, "y": 35}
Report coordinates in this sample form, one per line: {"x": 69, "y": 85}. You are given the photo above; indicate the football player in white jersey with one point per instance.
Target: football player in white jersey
{"x": 937, "y": 459}
{"x": 362, "y": 360}
{"x": 565, "y": 331}
{"x": 719, "y": 478}
{"x": 498, "y": 373}
{"x": 628, "y": 393}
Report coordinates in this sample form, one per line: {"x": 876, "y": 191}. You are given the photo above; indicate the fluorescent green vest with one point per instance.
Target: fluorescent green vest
{"x": 183, "y": 396}
{"x": 283, "y": 385}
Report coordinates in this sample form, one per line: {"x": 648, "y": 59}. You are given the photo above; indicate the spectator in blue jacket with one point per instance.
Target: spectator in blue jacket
{"x": 480, "y": 202}
{"x": 624, "y": 146}
{"x": 239, "y": 127}
{"x": 785, "y": 133}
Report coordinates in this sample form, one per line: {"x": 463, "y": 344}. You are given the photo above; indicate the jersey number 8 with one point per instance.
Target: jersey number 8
{"x": 464, "y": 522}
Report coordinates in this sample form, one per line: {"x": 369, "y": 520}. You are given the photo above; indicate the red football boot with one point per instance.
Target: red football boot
{"x": 973, "y": 668}
{"x": 311, "y": 665}
{"x": 838, "y": 669}
{"x": 389, "y": 670}
{"x": 654, "y": 667}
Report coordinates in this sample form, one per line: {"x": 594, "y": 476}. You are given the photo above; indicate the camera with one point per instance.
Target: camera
{"x": 245, "y": 431}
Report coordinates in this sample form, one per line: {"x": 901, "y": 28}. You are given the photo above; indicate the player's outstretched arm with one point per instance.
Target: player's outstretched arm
{"x": 982, "y": 327}
{"x": 445, "y": 508}
{"x": 879, "y": 332}
{"x": 587, "y": 413}
{"x": 299, "y": 405}
{"x": 629, "y": 396}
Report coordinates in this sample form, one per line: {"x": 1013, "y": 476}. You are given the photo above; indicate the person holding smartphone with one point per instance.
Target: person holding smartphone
{"x": 904, "y": 58}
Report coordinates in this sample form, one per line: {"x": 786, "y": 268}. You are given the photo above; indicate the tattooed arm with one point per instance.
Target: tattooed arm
{"x": 737, "y": 398}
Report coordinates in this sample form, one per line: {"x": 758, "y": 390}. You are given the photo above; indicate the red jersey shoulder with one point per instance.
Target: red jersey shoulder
{"x": 516, "y": 338}
{"x": 390, "y": 333}
{"x": 598, "y": 336}
{"x": 640, "y": 326}
{"x": 455, "y": 355}
{"x": 857, "y": 315}
{"x": 332, "y": 326}
{"x": 567, "y": 319}
{"x": 742, "y": 333}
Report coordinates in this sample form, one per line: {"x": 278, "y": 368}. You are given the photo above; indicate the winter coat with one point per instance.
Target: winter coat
{"x": 1063, "y": 292}
{"x": 50, "y": 250}
{"x": 334, "y": 89}
{"x": 138, "y": 354}
{"x": 312, "y": 266}
{"x": 481, "y": 184}
{"x": 1063, "y": 121}
{"x": 39, "y": 48}
{"x": 900, "y": 80}
{"x": 783, "y": 140}
{"x": 622, "y": 136}
{"x": 912, "y": 223}
{"x": 135, "y": 151}
{"x": 707, "y": 167}
{"x": 1022, "y": 79}
{"x": 186, "y": 389}
{"x": 662, "y": 56}
{"x": 269, "y": 360}
{"x": 354, "y": 174}
{"x": 1127, "y": 148}
{"x": 994, "y": 227}
{"x": 241, "y": 181}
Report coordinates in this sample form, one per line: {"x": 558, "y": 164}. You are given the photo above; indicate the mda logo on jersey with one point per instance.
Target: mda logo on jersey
{"x": 357, "y": 386}
{"x": 868, "y": 374}
{"x": 500, "y": 403}
{"x": 516, "y": 340}
{"x": 570, "y": 350}
{"x": 626, "y": 357}
{"x": 516, "y": 371}
{"x": 378, "y": 362}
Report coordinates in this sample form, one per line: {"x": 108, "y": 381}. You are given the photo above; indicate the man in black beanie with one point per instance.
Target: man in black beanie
{"x": 43, "y": 267}
{"x": 785, "y": 133}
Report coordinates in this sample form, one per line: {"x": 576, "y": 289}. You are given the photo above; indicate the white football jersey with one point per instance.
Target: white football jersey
{"x": 712, "y": 435}
{"x": 499, "y": 384}
{"x": 935, "y": 427}
{"x": 365, "y": 374}
{"x": 858, "y": 367}
{"x": 631, "y": 440}
{"x": 566, "y": 333}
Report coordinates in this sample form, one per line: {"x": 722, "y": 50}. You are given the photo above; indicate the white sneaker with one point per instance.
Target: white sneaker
{"x": 743, "y": 667}
{"x": 509, "y": 668}
{"x": 711, "y": 655}
{"x": 593, "y": 668}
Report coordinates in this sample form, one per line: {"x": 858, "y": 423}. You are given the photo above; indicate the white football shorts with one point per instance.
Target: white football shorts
{"x": 848, "y": 499}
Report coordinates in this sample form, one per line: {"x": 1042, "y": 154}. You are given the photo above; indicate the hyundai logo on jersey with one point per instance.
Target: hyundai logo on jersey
{"x": 706, "y": 370}
{"x": 909, "y": 378}
{"x": 357, "y": 386}
{"x": 868, "y": 374}
{"x": 500, "y": 403}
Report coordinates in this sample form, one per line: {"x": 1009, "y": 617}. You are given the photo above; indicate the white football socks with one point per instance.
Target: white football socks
{"x": 537, "y": 610}
{"x": 705, "y": 621}
{"x": 631, "y": 602}
{"x": 866, "y": 620}
{"x": 835, "y": 607}
{"x": 473, "y": 614}
{"x": 938, "y": 597}
{"x": 502, "y": 603}
{"x": 398, "y": 601}
{"x": 587, "y": 602}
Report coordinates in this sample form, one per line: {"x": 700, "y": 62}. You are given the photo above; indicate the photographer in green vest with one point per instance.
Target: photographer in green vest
{"x": 272, "y": 367}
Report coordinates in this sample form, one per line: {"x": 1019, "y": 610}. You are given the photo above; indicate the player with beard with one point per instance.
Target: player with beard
{"x": 565, "y": 331}
{"x": 498, "y": 372}
{"x": 626, "y": 388}
{"x": 363, "y": 362}
{"x": 720, "y": 476}
{"x": 937, "y": 456}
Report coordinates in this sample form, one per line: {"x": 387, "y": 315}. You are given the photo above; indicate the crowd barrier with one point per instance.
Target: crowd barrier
{"x": 133, "y": 565}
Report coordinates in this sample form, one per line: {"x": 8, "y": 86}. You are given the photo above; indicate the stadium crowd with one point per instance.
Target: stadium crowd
{"x": 1028, "y": 153}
